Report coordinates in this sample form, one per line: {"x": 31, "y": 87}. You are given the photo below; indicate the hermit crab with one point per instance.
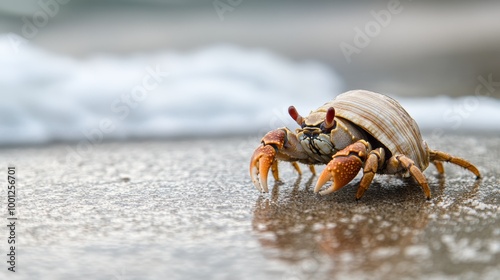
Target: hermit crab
{"x": 357, "y": 130}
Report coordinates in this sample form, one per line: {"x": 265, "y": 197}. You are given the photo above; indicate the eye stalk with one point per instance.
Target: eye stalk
{"x": 329, "y": 119}
{"x": 295, "y": 115}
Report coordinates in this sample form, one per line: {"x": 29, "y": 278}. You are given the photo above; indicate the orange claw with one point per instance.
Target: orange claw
{"x": 264, "y": 158}
{"x": 342, "y": 169}
{"x": 261, "y": 162}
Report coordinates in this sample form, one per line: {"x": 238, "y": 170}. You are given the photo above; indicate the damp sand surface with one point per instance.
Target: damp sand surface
{"x": 186, "y": 209}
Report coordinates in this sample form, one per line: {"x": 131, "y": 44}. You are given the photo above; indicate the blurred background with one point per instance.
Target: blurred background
{"x": 122, "y": 69}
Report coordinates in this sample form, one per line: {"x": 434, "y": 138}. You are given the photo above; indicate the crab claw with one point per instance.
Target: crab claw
{"x": 264, "y": 158}
{"x": 261, "y": 162}
{"x": 344, "y": 166}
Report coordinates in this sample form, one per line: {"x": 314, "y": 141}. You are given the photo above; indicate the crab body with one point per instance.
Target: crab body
{"x": 357, "y": 130}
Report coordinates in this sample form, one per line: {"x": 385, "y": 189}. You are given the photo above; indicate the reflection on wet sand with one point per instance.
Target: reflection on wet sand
{"x": 384, "y": 230}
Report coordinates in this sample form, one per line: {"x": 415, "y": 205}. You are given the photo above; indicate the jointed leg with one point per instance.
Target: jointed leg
{"x": 439, "y": 166}
{"x": 312, "y": 169}
{"x": 375, "y": 159}
{"x": 442, "y": 156}
{"x": 398, "y": 162}
{"x": 296, "y": 167}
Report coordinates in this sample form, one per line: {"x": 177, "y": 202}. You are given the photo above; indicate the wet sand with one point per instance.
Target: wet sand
{"x": 188, "y": 210}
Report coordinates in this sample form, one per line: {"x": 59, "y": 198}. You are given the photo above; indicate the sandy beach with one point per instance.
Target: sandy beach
{"x": 186, "y": 209}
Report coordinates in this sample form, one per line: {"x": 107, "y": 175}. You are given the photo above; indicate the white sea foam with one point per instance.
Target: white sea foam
{"x": 212, "y": 91}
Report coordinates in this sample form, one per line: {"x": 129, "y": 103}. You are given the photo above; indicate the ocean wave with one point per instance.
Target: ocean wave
{"x": 218, "y": 90}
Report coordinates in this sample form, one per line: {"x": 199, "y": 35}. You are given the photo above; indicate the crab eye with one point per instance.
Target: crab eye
{"x": 295, "y": 116}
{"x": 329, "y": 122}
{"x": 330, "y": 118}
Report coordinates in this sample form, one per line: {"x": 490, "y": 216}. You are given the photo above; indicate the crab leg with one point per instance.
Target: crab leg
{"x": 312, "y": 169}
{"x": 374, "y": 160}
{"x": 401, "y": 161}
{"x": 439, "y": 166}
{"x": 296, "y": 167}
{"x": 442, "y": 156}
